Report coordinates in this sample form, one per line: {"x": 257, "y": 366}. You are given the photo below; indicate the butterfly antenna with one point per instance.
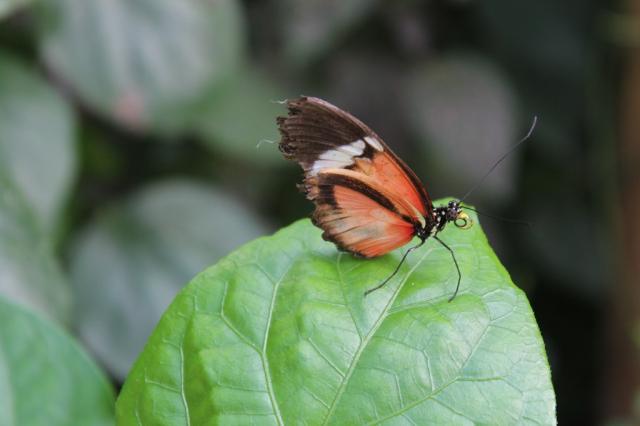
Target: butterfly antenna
{"x": 503, "y": 219}
{"x": 505, "y": 155}
{"x": 404, "y": 257}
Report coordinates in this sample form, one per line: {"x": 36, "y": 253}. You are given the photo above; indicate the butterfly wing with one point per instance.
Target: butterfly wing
{"x": 367, "y": 200}
{"x": 357, "y": 216}
{"x": 321, "y": 136}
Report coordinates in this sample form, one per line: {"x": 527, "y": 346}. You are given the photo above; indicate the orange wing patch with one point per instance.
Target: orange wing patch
{"x": 392, "y": 191}
{"x": 356, "y": 222}
{"x": 387, "y": 172}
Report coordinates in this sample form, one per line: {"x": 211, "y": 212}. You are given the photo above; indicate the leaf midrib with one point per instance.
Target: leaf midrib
{"x": 367, "y": 338}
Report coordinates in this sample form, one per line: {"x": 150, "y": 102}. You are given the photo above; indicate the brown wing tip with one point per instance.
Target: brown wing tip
{"x": 287, "y": 143}
{"x": 299, "y": 101}
{"x": 295, "y": 106}
{"x": 299, "y": 129}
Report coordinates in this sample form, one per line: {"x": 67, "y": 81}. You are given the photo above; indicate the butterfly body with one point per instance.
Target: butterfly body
{"x": 368, "y": 201}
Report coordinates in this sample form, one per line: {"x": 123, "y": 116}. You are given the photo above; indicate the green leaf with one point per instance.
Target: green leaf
{"x": 29, "y": 273}
{"x": 45, "y": 377}
{"x": 279, "y": 333}
{"x": 238, "y": 120}
{"x": 9, "y": 6}
{"x": 37, "y": 145}
{"x": 145, "y": 63}
{"x": 128, "y": 265}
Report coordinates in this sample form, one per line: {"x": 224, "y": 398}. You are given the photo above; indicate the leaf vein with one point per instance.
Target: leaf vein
{"x": 182, "y": 393}
{"x": 342, "y": 283}
{"x": 263, "y": 357}
{"x": 323, "y": 356}
{"x": 367, "y": 339}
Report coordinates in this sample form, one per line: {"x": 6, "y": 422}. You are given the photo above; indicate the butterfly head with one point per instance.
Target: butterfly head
{"x": 452, "y": 212}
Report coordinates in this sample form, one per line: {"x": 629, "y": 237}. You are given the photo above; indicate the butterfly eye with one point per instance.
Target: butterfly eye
{"x": 463, "y": 221}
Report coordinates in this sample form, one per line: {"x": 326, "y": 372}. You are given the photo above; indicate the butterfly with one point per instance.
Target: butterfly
{"x": 368, "y": 202}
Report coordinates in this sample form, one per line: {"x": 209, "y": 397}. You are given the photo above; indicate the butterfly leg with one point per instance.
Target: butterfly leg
{"x": 404, "y": 257}
{"x": 457, "y": 267}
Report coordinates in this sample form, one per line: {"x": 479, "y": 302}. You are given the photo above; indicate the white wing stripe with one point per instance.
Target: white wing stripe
{"x": 339, "y": 157}
{"x": 374, "y": 143}
{"x": 356, "y": 148}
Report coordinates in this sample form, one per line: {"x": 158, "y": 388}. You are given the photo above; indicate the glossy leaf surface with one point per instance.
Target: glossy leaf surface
{"x": 279, "y": 333}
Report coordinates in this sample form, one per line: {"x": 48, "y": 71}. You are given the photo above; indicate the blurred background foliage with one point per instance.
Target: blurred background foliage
{"x": 138, "y": 145}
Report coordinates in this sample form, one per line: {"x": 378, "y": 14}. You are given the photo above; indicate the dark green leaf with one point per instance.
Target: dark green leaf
{"x": 130, "y": 263}
{"x": 29, "y": 274}
{"x": 143, "y": 62}
{"x": 279, "y": 333}
{"x": 46, "y": 379}
{"x": 36, "y": 139}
